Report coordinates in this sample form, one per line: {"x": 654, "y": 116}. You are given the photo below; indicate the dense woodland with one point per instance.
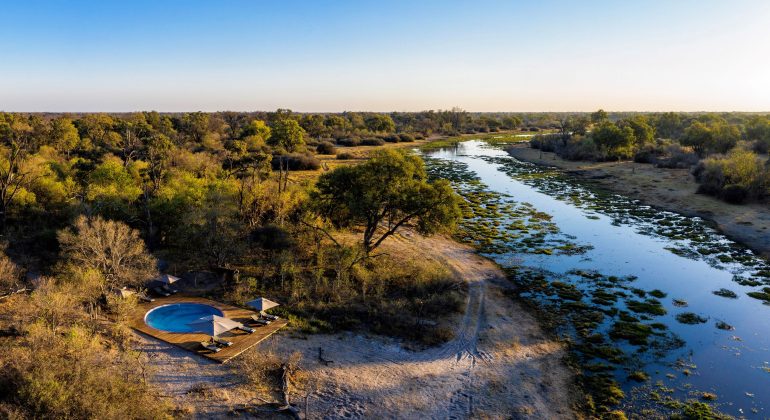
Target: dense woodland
{"x": 93, "y": 203}
{"x": 727, "y": 153}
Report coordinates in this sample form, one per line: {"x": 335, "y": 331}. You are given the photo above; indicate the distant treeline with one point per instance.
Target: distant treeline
{"x": 727, "y": 152}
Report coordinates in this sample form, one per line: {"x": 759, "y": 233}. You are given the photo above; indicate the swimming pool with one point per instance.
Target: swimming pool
{"x": 176, "y": 316}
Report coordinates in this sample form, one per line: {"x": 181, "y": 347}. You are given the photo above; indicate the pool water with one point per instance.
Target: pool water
{"x": 175, "y": 317}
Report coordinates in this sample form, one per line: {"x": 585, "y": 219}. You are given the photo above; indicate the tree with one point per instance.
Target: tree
{"x": 287, "y": 134}
{"x": 379, "y": 122}
{"x": 195, "y": 125}
{"x": 718, "y": 137}
{"x": 643, "y": 131}
{"x": 10, "y": 273}
{"x": 599, "y": 117}
{"x": 14, "y": 147}
{"x": 64, "y": 135}
{"x": 383, "y": 194}
{"x": 511, "y": 122}
{"x": 112, "y": 248}
{"x": 113, "y": 187}
{"x": 613, "y": 138}
{"x": 698, "y": 136}
{"x": 669, "y": 125}
{"x": 97, "y": 130}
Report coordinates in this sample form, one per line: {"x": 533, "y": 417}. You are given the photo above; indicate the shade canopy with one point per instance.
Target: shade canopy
{"x": 262, "y": 304}
{"x": 167, "y": 279}
{"x": 214, "y": 325}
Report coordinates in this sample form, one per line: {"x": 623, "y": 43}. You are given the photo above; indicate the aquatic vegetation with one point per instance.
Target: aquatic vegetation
{"x": 679, "y": 303}
{"x": 724, "y": 326}
{"x": 763, "y": 295}
{"x": 649, "y": 306}
{"x": 639, "y": 376}
{"x": 657, "y": 293}
{"x": 727, "y": 293}
{"x": 635, "y": 332}
{"x": 690, "y": 318}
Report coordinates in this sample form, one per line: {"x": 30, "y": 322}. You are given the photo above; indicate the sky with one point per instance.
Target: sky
{"x": 312, "y": 56}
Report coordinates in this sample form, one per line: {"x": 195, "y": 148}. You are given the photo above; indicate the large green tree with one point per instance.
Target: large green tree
{"x": 287, "y": 134}
{"x": 387, "y": 192}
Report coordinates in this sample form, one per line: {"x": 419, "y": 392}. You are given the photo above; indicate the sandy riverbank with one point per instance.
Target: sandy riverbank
{"x": 668, "y": 189}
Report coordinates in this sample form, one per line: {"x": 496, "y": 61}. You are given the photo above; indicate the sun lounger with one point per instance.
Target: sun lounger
{"x": 161, "y": 292}
{"x": 144, "y": 297}
{"x": 210, "y": 346}
{"x": 259, "y": 320}
{"x": 246, "y": 329}
{"x": 269, "y": 317}
{"x": 168, "y": 289}
{"x": 223, "y": 342}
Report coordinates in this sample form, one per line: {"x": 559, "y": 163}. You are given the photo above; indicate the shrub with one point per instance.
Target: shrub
{"x": 734, "y": 194}
{"x": 326, "y": 148}
{"x": 372, "y": 141}
{"x": 392, "y": 138}
{"x": 406, "y": 138}
{"x": 70, "y": 374}
{"x": 271, "y": 237}
{"x": 296, "y": 162}
{"x": 349, "y": 141}
{"x": 676, "y": 157}
{"x": 735, "y": 178}
{"x": 649, "y": 154}
{"x": 345, "y": 156}
{"x": 761, "y": 146}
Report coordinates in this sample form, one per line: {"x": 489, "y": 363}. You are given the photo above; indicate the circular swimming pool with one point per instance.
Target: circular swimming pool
{"x": 176, "y": 316}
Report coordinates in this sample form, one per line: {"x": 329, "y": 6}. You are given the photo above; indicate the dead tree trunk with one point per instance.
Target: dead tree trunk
{"x": 287, "y": 407}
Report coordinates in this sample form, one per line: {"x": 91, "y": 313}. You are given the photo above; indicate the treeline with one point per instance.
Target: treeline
{"x": 727, "y": 153}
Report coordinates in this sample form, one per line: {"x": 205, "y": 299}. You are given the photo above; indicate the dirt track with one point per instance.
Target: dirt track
{"x": 499, "y": 365}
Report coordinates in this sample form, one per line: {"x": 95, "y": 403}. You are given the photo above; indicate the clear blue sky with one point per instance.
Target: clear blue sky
{"x": 384, "y": 55}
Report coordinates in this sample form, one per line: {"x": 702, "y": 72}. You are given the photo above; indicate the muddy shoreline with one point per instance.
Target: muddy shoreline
{"x": 667, "y": 189}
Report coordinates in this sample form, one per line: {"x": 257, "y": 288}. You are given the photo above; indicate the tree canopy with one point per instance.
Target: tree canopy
{"x": 383, "y": 194}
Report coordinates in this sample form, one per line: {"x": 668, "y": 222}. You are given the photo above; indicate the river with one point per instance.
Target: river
{"x": 634, "y": 286}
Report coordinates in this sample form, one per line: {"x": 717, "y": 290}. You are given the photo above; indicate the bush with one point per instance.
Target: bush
{"x": 734, "y": 194}
{"x": 761, "y": 146}
{"x": 296, "y": 162}
{"x": 649, "y": 154}
{"x": 419, "y": 136}
{"x": 572, "y": 148}
{"x": 676, "y": 157}
{"x": 406, "y": 138}
{"x": 393, "y": 138}
{"x": 372, "y": 141}
{"x": 71, "y": 374}
{"x": 739, "y": 176}
{"x": 325, "y": 148}
{"x": 349, "y": 141}
{"x": 271, "y": 237}
{"x": 345, "y": 156}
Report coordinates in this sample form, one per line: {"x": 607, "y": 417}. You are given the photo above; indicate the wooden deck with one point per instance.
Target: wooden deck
{"x": 191, "y": 341}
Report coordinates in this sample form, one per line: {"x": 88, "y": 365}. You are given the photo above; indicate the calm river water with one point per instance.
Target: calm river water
{"x": 666, "y": 264}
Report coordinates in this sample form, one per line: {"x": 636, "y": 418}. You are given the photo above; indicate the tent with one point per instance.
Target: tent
{"x": 262, "y": 304}
{"x": 214, "y": 325}
{"x": 167, "y": 279}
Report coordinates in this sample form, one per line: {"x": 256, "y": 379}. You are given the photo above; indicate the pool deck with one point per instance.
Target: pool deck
{"x": 191, "y": 341}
